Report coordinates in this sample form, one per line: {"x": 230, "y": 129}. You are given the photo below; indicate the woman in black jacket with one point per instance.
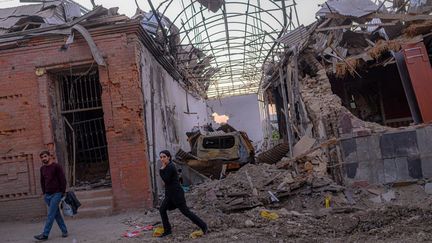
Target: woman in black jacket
{"x": 174, "y": 195}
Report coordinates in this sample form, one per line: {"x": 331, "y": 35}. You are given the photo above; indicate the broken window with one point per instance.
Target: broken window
{"x": 224, "y": 142}
{"x": 81, "y": 109}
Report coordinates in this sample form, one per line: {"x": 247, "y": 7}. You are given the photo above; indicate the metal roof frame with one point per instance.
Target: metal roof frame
{"x": 238, "y": 48}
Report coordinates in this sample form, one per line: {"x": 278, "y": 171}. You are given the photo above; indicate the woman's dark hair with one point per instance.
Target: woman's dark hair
{"x": 167, "y": 153}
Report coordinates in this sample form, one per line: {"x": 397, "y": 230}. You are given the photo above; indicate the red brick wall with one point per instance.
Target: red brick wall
{"x": 26, "y": 114}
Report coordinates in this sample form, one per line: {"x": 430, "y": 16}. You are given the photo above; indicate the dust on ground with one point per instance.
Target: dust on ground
{"x": 233, "y": 212}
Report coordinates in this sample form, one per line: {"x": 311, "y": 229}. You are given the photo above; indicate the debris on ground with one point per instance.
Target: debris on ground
{"x": 196, "y": 234}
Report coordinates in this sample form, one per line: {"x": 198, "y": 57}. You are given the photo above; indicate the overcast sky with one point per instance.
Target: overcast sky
{"x": 305, "y": 8}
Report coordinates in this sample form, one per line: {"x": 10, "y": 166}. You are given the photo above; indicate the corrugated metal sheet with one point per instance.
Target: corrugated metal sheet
{"x": 6, "y": 12}
{"x": 71, "y": 11}
{"x": 183, "y": 155}
{"x": 212, "y": 5}
{"x": 354, "y": 8}
{"x": 217, "y": 133}
{"x": 51, "y": 13}
{"x": 274, "y": 155}
{"x": 294, "y": 37}
{"x": 420, "y": 72}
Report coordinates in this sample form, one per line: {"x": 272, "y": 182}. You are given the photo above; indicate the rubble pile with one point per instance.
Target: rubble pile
{"x": 363, "y": 223}
{"x": 264, "y": 184}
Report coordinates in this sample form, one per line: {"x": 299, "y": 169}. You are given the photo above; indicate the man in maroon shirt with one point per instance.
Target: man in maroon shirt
{"x": 53, "y": 183}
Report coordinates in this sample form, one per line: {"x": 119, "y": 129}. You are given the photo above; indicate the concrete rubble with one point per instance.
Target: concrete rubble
{"x": 235, "y": 214}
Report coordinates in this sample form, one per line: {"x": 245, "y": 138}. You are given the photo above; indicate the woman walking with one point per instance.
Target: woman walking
{"x": 174, "y": 195}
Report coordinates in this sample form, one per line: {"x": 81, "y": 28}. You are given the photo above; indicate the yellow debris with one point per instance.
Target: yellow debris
{"x": 196, "y": 234}
{"x": 269, "y": 215}
{"x": 158, "y": 231}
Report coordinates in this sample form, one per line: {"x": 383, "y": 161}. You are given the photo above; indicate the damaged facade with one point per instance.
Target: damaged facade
{"x": 360, "y": 75}
{"x": 95, "y": 88}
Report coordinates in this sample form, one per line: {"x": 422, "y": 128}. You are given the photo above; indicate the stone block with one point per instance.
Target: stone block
{"x": 345, "y": 125}
{"x": 377, "y": 168}
{"x": 389, "y": 196}
{"x": 402, "y": 144}
{"x": 428, "y": 188}
{"x": 424, "y": 140}
{"x": 426, "y": 162}
{"x": 386, "y": 145}
{"x": 351, "y": 170}
{"x": 349, "y": 149}
{"x": 364, "y": 171}
{"x": 402, "y": 168}
{"x": 368, "y": 148}
{"x": 374, "y": 147}
{"x": 415, "y": 167}
{"x": 362, "y": 148}
{"x": 390, "y": 172}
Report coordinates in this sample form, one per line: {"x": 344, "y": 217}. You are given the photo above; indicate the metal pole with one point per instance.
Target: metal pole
{"x": 73, "y": 151}
{"x": 286, "y": 111}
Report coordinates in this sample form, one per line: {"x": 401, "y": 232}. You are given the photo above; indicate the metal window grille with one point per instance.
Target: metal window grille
{"x": 81, "y": 107}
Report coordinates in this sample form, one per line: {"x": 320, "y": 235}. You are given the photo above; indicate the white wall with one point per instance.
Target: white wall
{"x": 243, "y": 112}
{"x": 172, "y": 120}
{"x": 165, "y": 100}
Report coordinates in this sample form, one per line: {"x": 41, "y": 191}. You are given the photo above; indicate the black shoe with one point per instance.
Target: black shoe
{"x": 64, "y": 235}
{"x": 41, "y": 237}
{"x": 205, "y": 230}
{"x": 166, "y": 233}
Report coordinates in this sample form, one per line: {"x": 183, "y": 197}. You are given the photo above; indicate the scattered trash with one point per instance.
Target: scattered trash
{"x": 269, "y": 215}
{"x": 158, "y": 231}
{"x": 138, "y": 231}
{"x": 132, "y": 234}
{"x": 185, "y": 188}
{"x": 196, "y": 234}
{"x": 273, "y": 198}
{"x": 249, "y": 223}
{"x": 327, "y": 201}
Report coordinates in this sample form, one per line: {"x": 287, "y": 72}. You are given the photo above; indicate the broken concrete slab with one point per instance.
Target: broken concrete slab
{"x": 389, "y": 196}
{"x": 375, "y": 191}
{"x": 428, "y": 188}
{"x": 249, "y": 223}
{"x": 303, "y": 145}
{"x": 376, "y": 199}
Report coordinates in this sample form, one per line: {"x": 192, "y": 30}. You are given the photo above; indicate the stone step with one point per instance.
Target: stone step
{"x": 96, "y": 202}
{"x": 94, "y": 212}
{"x": 91, "y": 194}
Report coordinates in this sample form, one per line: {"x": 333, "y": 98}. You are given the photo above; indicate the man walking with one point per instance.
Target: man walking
{"x": 53, "y": 183}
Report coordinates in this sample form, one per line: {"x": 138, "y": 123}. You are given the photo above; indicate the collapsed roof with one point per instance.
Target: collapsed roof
{"x": 219, "y": 46}
{"x": 352, "y": 34}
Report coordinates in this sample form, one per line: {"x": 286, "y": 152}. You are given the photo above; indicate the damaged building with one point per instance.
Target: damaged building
{"x": 360, "y": 75}
{"x": 95, "y": 88}
{"x": 347, "y": 97}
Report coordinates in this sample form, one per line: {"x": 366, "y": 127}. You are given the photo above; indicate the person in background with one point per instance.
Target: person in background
{"x": 174, "y": 195}
{"x": 53, "y": 183}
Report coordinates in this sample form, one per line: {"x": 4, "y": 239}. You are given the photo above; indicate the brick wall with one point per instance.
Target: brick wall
{"x": 22, "y": 209}
{"x": 389, "y": 157}
{"x": 27, "y": 115}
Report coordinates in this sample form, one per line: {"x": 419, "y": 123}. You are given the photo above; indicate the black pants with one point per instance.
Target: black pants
{"x": 167, "y": 204}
